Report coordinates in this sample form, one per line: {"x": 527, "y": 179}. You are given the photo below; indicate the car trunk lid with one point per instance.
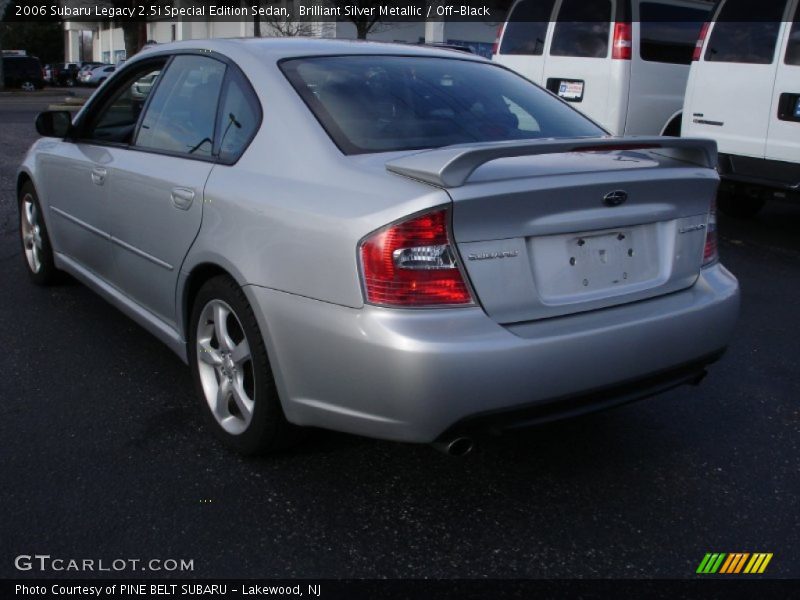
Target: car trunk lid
{"x": 552, "y": 227}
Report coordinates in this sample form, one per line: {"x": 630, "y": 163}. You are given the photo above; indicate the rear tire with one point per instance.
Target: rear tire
{"x": 232, "y": 373}
{"x": 739, "y": 206}
{"x": 36, "y": 248}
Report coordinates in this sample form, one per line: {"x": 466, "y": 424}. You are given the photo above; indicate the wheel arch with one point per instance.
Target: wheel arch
{"x": 23, "y": 177}
{"x": 673, "y": 126}
{"x": 198, "y": 275}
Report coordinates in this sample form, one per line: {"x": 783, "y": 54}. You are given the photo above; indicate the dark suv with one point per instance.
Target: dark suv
{"x": 23, "y": 72}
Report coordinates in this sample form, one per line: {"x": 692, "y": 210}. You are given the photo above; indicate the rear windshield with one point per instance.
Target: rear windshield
{"x": 669, "y": 33}
{"x": 739, "y": 38}
{"x": 391, "y": 103}
{"x": 527, "y": 27}
{"x": 582, "y": 29}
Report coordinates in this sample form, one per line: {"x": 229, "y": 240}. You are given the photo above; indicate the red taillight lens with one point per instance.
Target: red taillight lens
{"x": 413, "y": 263}
{"x": 498, "y": 36}
{"x": 698, "y": 47}
{"x": 710, "y": 253}
{"x": 622, "y": 48}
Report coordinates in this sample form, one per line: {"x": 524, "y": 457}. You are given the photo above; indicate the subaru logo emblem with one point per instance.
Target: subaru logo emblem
{"x": 615, "y": 198}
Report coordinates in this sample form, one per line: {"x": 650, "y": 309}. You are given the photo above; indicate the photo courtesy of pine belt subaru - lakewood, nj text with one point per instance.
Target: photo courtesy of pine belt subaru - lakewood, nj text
{"x": 395, "y": 241}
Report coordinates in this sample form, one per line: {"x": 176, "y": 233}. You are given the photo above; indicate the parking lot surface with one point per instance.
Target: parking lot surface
{"x": 104, "y": 454}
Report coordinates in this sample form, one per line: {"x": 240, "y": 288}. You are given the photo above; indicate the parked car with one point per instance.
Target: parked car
{"x": 442, "y": 246}
{"x": 744, "y": 92}
{"x": 65, "y": 74}
{"x": 623, "y": 63}
{"x": 94, "y": 76}
{"x": 23, "y": 72}
{"x": 141, "y": 88}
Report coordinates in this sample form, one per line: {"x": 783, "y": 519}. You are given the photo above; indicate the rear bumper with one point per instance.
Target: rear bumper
{"x": 413, "y": 375}
{"x": 762, "y": 172}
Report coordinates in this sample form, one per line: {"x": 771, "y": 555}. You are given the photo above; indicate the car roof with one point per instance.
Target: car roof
{"x": 277, "y": 48}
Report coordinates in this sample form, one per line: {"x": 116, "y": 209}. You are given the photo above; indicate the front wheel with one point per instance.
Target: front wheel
{"x": 28, "y": 86}
{"x": 35, "y": 240}
{"x": 232, "y": 373}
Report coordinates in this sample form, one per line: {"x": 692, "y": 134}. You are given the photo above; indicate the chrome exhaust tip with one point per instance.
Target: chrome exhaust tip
{"x": 457, "y": 446}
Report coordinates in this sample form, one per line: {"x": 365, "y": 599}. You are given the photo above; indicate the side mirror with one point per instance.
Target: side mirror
{"x": 54, "y": 123}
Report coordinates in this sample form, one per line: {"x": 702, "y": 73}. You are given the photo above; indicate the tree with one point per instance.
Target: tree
{"x": 43, "y": 39}
{"x": 3, "y": 4}
{"x": 368, "y": 18}
{"x": 278, "y": 26}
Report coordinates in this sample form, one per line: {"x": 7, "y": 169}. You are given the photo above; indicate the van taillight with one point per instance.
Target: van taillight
{"x": 623, "y": 41}
{"x": 496, "y": 46}
{"x": 710, "y": 253}
{"x": 698, "y": 47}
{"x": 413, "y": 263}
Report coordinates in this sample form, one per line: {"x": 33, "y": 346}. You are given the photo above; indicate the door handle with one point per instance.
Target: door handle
{"x": 99, "y": 175}
{"x": 182, "y": 197}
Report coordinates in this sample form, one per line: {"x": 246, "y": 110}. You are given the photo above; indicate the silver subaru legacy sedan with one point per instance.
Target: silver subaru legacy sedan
{"x": 394, "y": 241}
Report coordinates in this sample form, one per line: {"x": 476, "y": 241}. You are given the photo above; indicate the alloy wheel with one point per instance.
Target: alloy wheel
{"x": 31, "y": 233}
{"x": 225, "y": 366}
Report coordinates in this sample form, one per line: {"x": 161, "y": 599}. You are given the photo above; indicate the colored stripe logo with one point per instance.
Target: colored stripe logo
{"x": 734, "y": 563}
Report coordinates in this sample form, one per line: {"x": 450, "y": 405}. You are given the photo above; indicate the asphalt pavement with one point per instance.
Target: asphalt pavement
{"x": 103, "y": 454}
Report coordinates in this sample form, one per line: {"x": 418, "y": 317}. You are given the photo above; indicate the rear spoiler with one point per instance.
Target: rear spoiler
{"x": 451, "y": 166}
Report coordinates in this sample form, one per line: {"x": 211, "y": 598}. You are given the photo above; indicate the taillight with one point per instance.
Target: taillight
{"x": 622, "y": 48}
{"x": 698, "y": 47}
{"x": 413, "y": 263}
{"x": 710, "y": 253}
{"x": 496, "y": 46}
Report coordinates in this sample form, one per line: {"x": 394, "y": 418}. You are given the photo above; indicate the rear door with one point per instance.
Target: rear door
{"x": 783, "y": 140}
{"x": 578, "y": 63}
{"x": 735, "y": 77}
{"x": 156, "y": 186}
{"x": 524, "y": 38}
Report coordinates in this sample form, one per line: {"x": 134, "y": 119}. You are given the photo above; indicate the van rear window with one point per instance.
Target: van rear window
{"x": 738, "y": 37}
{"x": 582, "y": 29}
{"x": 793, "y": 48}
{"x": 527, "y": 27}
{"x": 669, "y": 33}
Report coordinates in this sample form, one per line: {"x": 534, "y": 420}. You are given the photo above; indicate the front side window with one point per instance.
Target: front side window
{"x": 744, "y": 34}
{"x": 526, "y": 28}
{"x": 582, "y": 29}
{"x": 389, "y": 103}
{"x": 669, "y": 33}
{"x": 116, "y": 120}
{"x": 182, "y": 112}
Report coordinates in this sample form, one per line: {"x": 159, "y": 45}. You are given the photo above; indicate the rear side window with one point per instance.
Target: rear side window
{"x": 183, "y": 110}
{"x": 392, "y": 103}
{"x": 582, "y": 29}
{"x": 738, "y": 37}
{"x": 669, "y": 33}
{"x": 793, "y": 48}
{"x": 527, "y": 27}
{"x": 239, "y": 118}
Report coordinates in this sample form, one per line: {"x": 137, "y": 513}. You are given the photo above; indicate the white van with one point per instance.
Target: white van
{"x": 744, "y": 92}
{"x": 623, "y": 63}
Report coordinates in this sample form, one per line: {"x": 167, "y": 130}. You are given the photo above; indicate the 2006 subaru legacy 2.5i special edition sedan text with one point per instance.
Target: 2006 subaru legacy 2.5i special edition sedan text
{"x": 395, "y": 241}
